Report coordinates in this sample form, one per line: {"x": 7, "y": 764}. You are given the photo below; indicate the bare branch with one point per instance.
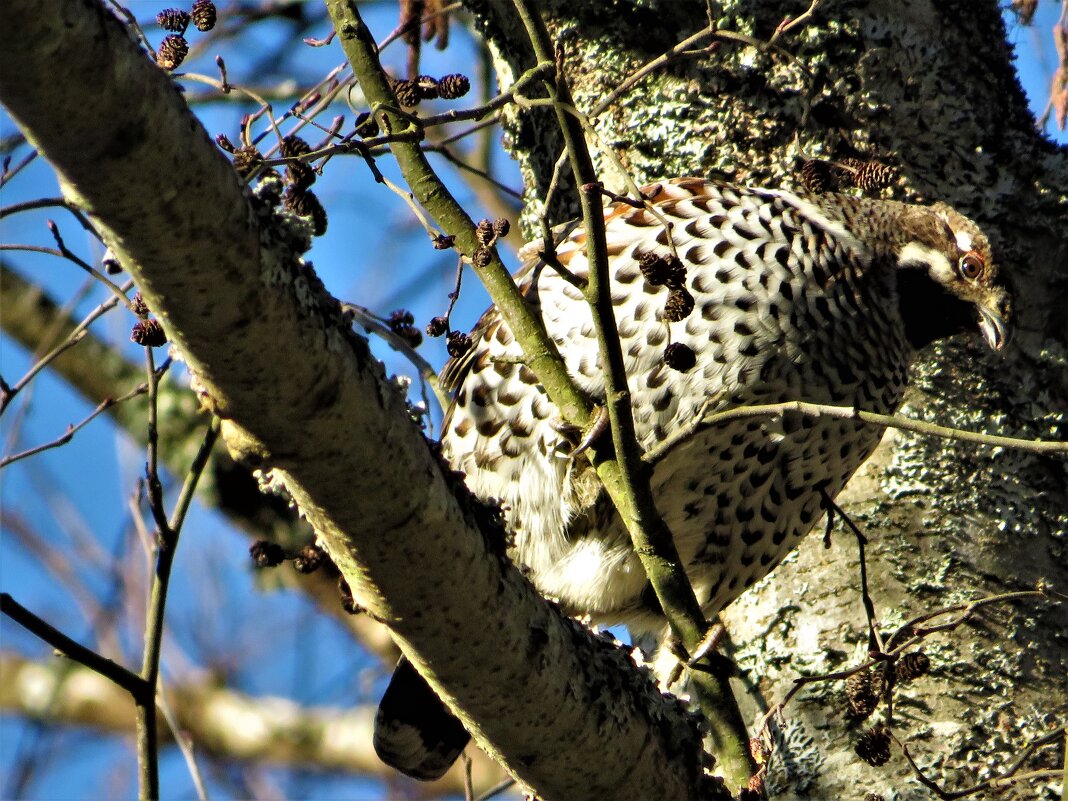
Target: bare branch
{"x": 120, "y": 676}
{"x": 707, "y": 419}
{"x": 73, "y": 429}
{"x": 1009, "y": 776}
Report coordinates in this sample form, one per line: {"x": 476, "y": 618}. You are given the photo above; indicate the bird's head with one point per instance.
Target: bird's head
{"x": 948, "y": 281}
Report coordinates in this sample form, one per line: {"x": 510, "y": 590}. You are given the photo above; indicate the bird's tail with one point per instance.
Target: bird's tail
{"x": 414, "y": 731}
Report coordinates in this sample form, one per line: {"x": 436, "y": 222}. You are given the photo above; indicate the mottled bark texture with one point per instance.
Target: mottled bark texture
{"x": 928, "y": 87}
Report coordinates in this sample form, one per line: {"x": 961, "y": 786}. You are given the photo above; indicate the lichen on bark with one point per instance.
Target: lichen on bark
{"x": 906, "y": 84}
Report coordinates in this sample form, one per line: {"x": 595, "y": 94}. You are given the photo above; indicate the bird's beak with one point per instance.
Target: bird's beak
{"x": 996, "y": 330}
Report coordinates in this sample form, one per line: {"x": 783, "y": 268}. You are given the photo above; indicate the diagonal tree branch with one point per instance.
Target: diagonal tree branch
{"x": 335, "y": 433}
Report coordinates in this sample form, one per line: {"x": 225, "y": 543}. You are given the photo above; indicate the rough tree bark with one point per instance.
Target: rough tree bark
{"x": 908, "y": 84}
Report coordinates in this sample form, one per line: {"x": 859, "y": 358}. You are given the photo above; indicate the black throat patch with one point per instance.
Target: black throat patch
{"x": 928, "y": 310}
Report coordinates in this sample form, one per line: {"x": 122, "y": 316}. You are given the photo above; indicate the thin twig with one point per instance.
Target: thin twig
{"x": 548, "y": 255}
{"x": 913, "y": 630}
{"x": 147, "y": 744}
{"x": 649, "y": 67}
{"x": 112, "y": 671}
{"x": 11, "y": 172}
{"x": 907, "y": 635}
{"x": 418, "y": 125}
{"x": 497, "y": 789}
{"x": 73, "y": 429}
{"x": 50, "y": 202}
{"x": 278, "y": 94}
{"x": 155, "y": 486}
{"x": 448, "y": 155}
{"x": 72, "y": 339}
{"x": 373, "y": 323}
{"x": 762, "y": 46}
{"x": 478, "y": 126}
{"x": 225, "y": 87}
{"x": 875, "y": 640}
{"x": 1008, "y": 777}
{"x": 41, "y": 340}
{"x": 181, "y": 739}
{"x": 168, "y": 532}
{"x": 788, "y": 24}
{"x": 469, "y": 789}
{"x": 63, "y": 253}
{"x": 704, "y": 420}
{"x": 196, "y": 470}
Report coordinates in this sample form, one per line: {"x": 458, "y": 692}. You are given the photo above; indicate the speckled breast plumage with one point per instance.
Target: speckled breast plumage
{"x": 793, "y": 300}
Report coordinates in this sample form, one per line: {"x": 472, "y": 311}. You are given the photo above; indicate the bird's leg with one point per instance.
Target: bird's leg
{"x": 709, "y": 643}
{"x": 598, "y": 426}
{"x": 673, "y": 647}
{"x": 704, "y": 658}
{"x": 716, "y": 664}
{"x": 672, "y": 661}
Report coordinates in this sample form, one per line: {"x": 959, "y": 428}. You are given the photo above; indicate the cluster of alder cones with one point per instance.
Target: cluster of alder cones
{"x": 174, "y": 48}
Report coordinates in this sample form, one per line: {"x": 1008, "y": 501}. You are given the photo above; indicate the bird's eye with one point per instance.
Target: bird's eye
{"x": 971, "y": 265}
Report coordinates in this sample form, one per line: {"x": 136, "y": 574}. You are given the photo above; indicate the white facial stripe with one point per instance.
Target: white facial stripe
{"x": 937, "y": 263}
{"x": 964, "y": 240}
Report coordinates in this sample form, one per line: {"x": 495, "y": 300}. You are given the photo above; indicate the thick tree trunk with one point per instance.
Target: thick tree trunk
{"x": 929, "y": 88}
